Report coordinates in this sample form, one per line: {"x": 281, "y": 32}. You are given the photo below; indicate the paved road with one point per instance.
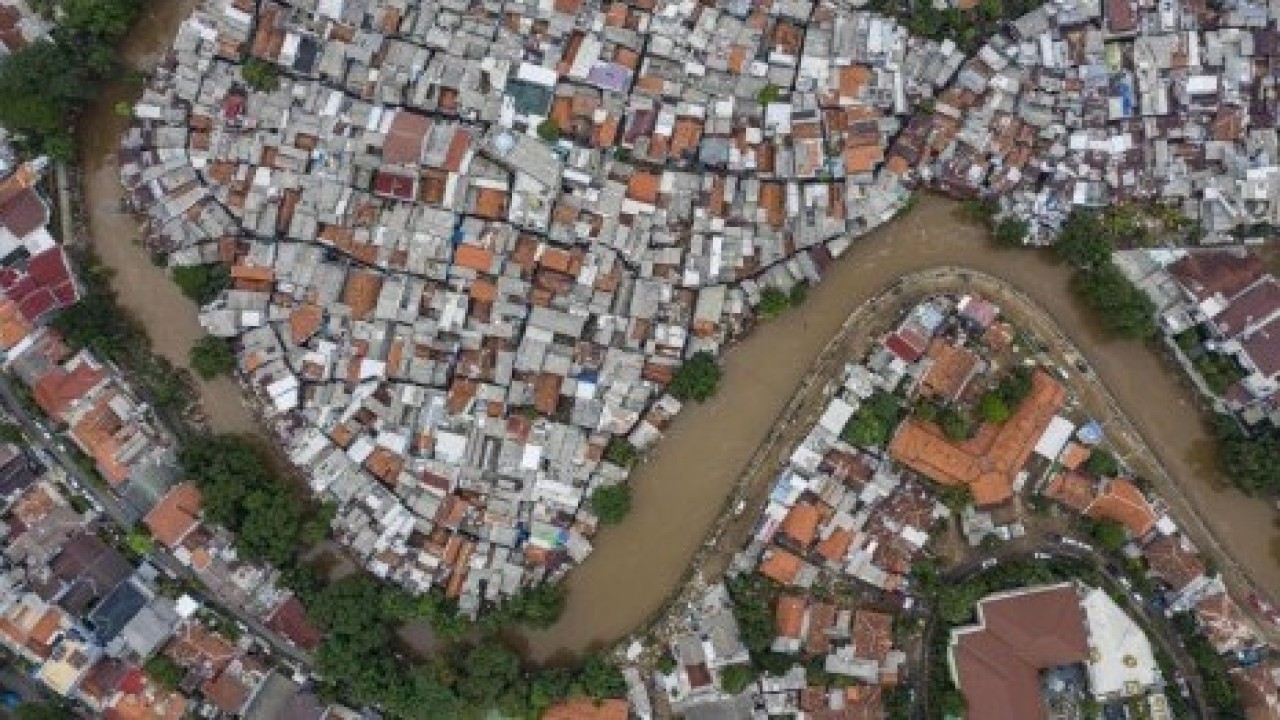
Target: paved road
{"x": 125, "y": 517}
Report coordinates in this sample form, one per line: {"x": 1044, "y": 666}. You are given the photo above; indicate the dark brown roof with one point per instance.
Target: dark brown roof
{"x": 1205, "y": 274}
{"x": 24, "y": 213}
{"x": 1250, "y": 307}
{"x": 1173, "y": 561}
{"x": 998, "y": 661}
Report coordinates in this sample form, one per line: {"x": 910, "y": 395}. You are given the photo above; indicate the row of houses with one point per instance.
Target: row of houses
{"x": 75, "y": 607}
{"x": 1220, "y": 311}
{"x": 469, "y": 247}
{"x": 92, "y": 621}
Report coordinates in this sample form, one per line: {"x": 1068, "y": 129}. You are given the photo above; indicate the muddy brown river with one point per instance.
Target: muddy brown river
{"x": 680, "y": 490}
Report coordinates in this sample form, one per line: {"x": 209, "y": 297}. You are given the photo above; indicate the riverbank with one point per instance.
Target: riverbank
{"x": 143, "y": 288}
{"x": 680, "y": 491}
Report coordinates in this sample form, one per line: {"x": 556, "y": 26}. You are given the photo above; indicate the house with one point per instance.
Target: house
{"x": 997, "y": 662}
{"x": 986, "y": 465}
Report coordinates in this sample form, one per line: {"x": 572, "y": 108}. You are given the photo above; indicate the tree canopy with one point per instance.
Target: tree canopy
{"x": 874, "y": 421}
{"x": 1102, "y": 463}
{"x": 44, "y": 85}
{"x": 241, "y": 492}
{"x": 773, "y": 302}
{"x": 611, "y": 503}
{"x": 697, "y": 378}
{"x": 212, "y": 356}
{"x": 1121, "y": 307}
{"x": 993, "y": 408}
{"x": 202, "y": 283}
{"x": 260, "y": 75}
{"x": 1251, "y": 461}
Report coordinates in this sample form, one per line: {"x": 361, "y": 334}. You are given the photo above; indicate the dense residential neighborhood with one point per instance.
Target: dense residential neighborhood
{"x": 470, "y": 261}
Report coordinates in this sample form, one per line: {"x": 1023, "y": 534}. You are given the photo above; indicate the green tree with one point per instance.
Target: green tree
{"x": 1252, "y": 462}
{"x": 621, "y": 452}
{"x": 1083, "y": 241}
{"x": 11, "y": 433}
{"x": 212, "y": 356}
{"x": 1122, "y": 308}
{"x": 486, "y": 672}
{"x": 42, "y": 711}
{"x": 956, "y": 602}
{"x": 1109, "y": 534}
{"x": 799, "y": 293}
{"x": 956, "y": 425}
{"x": 164, "y": 671}
{"x": 1102, "y": 463}
{"x": 611, "y": 503}
{"x": 773, "y": 302}
{"x": 549, "y": 686}
{"x": 260, "y": 75}
{"x": 697, "y": 378}
{"x": 1011, "y": 232}
{"x": 769, "y": 94}
{"x": 1015, "y": 386}
{"x": 42, "y": 87}
{"x": 549, "y": 130}
{"x": 735, "y": 678}
{"x": 874, "y": 421}
{"x": 952, "y": 704}
{"x": 242, "y": 492}
{"x": 600, "y": 679}
{"x": 993, "y": 408}
{"x": 538, "y": 606}
{"x": 202, "y": 283}
{"x": 753, "y": 597}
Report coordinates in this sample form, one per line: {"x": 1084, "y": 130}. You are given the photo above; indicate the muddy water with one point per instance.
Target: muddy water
{"x": 144, "y": 289}
{"x": 681, "y": 489}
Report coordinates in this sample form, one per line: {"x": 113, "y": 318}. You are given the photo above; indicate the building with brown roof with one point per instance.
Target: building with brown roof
{"x": 1224, "y": 623}
{"x": 951, "y": 367}
{"x": 175, "y": 516}
{"x": 997, "y": 662}
{"x": 1121, "y": 501}
{"x": 989, "y": 463}
{"x": 1174, "y": 561}
{"x": 1208, "y": 275}
{"x": 801, "y": 523}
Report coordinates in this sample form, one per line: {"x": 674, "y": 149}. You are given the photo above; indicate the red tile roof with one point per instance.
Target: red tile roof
{"x": 988, "y": 463}
{"x": 998, "y": 661}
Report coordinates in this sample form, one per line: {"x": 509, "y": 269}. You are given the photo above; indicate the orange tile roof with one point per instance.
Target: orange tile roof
{"x": 643, "y": 187}
{"x": 836, "y": 545}
{"x": 473, "y": 257}
{"x": 176, "y": 514}
{"x": 491, "y": 203}
{"x": 252, "y": 273}
{"x": 1074, "y": 456}
{"x": 988, "y": 463}
{"x": 13, "y": 326}
{"x": 863, "y": 158}
{"x": 1073, "y": 489}
{"x": 950, "y": 369}
{"x": 1124, "y": 503}
{"x": 361, "y": 292}
{"x": 57, "y": 390}
{"x": 853, "y": 79}
{"x": 97, "y": 431}
{"x": 780, "y": 566}
{"x": 801, "y": 523}
{"x": 305, "y": 321}
{"x": 788, "y": 616}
